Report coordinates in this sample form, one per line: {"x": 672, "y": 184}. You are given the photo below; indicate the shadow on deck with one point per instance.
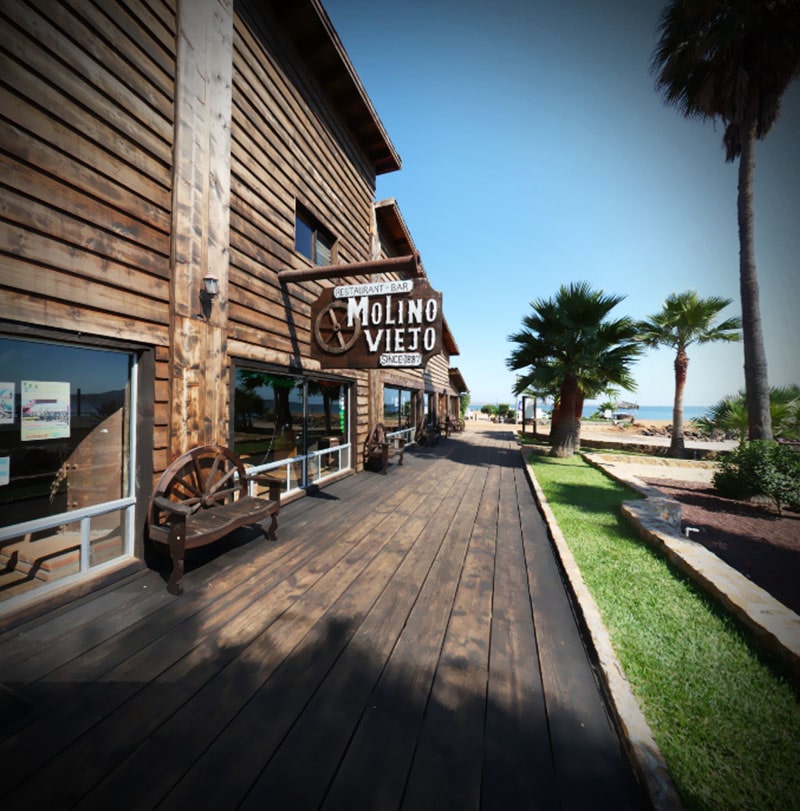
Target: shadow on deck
{"x": 406, "y": 643}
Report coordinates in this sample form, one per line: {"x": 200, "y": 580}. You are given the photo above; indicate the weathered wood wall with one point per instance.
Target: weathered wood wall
{"x": 436, "y": 374}
{"x": 118, "y": 193}
{"x": 198, "y": 328}
{"x": 86, "y": 131}
{"x": 287, "y": 146}
{"x": 86, "y": 127}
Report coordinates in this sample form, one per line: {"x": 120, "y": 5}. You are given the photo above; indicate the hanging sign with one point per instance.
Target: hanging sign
{"x": 370, "y": 326}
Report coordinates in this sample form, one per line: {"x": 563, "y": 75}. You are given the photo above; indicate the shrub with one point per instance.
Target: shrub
{"x": 761, "y": 468}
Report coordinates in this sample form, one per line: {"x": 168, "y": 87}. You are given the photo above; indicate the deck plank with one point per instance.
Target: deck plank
{"x": 323, "y": 731}
{"x": 446, "y": 769}
{"x": 518, "y": 766}
{"x": 142, "y": 690}
{"x": 407, "y": 642}
{"x": 354, "y": 583}
{"x": 586, "y": 749}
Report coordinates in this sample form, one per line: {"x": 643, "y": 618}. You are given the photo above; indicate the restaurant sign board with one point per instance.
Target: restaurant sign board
{"x": 377, "y": 325}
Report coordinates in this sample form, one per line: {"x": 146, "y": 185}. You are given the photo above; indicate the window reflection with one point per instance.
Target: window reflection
{"x": 268, "y": 409}
{"x": 78, "y": 456}
{"x": 64, "y": 437}
{"x": 279, "y": 417}
{"x": 398, "y": 408}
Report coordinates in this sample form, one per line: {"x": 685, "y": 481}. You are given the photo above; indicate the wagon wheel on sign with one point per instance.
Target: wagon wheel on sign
{"x": 332, "y": 331}
{"x": 210, "y": 476}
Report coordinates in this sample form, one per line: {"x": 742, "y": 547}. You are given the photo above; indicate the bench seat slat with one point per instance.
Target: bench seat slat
{"x": 247, "y": 510}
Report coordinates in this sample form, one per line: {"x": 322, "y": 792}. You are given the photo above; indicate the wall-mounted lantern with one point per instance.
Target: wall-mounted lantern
{"x": 211, "y": 286}
{"x": 209, "y": 292}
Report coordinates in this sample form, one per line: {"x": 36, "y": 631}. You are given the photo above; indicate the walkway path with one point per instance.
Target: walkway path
{"x": 407, "y": 643}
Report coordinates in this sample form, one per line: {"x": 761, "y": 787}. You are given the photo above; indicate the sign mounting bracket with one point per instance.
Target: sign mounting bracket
{"x": 395, "y": 264}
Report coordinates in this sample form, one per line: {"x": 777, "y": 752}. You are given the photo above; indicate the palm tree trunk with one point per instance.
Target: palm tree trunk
{"x": 580, "y": 397}
{"x": 565, "y": 432}
{"x": 755, "y": 359}
{"x": 677, "y": 444}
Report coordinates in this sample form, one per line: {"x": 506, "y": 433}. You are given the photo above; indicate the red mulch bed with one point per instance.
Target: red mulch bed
{"x": 751, "y": 538}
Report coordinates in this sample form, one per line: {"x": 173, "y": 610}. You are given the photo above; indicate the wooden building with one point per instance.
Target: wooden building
{"x": 432, "y": 393}
{"x": 163, "y": 163}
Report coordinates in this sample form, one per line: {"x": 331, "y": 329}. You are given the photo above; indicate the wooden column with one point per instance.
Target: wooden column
{"x": 200, "y": 229}
{"x": 375, "y": 397}
{"x": 374, "y": 375}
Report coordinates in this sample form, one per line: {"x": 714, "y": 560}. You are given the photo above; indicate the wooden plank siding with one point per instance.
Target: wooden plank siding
{"x": 85, "y": 167}
{"x": 147, "y": 144}
{"x": 287, "y": 146}
{"x": 436, "y": 374}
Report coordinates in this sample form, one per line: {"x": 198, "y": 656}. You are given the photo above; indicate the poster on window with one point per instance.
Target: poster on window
{"x": 6, "y": 403}
{"x": 45, "y": 410}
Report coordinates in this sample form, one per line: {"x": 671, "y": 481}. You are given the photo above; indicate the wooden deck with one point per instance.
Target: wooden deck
{"x": 406, "y": 643}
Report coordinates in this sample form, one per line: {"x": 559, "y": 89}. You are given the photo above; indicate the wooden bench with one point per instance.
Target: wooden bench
{"x": 378, "y": 449}
{"x": 428, "y": 433}
{"x": 203, "y": 496}
{"x": 453, "y": 425}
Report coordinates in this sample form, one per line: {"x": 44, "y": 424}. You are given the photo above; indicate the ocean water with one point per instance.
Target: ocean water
{"x": 643, "y": 413}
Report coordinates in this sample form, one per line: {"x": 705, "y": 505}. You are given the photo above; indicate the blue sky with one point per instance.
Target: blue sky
{"x": 536, "y": 152}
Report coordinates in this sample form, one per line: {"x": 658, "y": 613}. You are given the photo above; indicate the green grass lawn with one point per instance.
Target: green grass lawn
{"x": 727, "y": 723}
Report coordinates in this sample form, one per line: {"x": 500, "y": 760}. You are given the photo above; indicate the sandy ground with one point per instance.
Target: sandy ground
{"x": 636, "y": 433}
{"x": 642, "y": 432}
{"x": 654, "y": 467}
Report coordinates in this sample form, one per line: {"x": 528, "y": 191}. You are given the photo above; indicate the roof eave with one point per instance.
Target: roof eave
{"x": 315, "y": 38}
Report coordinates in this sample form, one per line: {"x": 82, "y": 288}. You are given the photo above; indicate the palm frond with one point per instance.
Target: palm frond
{"x": 728, "y": 59}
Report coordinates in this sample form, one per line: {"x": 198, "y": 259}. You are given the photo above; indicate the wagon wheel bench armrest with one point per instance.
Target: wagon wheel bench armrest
{"x": 270, "y": 481}
{"x": 203, "y": 496}
{"x": 175, "y": 507}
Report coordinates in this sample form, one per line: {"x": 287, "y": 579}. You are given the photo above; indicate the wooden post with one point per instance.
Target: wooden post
{"x": 375, "y": 398}
{"x": 200, "y": 224}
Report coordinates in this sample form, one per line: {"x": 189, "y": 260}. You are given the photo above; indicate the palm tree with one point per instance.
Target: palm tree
{"x": 568, "y": 346}
{"x": 687, "y": 319}
{"x": 734, "y": 59}
{"x": 730, "y": 414}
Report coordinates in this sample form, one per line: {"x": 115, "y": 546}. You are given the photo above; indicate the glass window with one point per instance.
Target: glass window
{"x": 407, "y": 407}
{"x": 391, "y": 407}
{"x": 311, "y": 239}
{"x": 327, "y": 417}
{"x": 268, "y": 416}
{"x": 303, "y": 237}
{"x": 323, "y": 249}
{"x": 63, "y": 429}
{"x": 64, "y": 447}
{"x": 326, "y": 425}
{"x": 281, "y": 417}
{"x": 398, "y": 408}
